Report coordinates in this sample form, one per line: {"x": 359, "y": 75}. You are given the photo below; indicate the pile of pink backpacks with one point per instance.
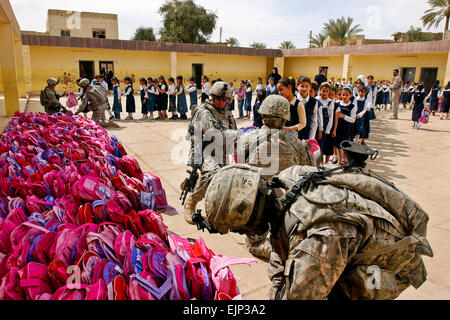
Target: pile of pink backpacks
{"x": 79, "y": 220}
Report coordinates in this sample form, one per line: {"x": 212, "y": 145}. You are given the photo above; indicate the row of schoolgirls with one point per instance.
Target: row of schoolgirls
{"x": 328, "y": 114}
{"x": 156, "y": 95}
{"x": 435, "y": 97}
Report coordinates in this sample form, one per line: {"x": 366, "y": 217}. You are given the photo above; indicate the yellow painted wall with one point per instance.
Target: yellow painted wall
{"x": 309, "y": 66}
{"x": 381, "y": 66}
{"x": 63, "y": 64}
{"x": 227, "y": 67}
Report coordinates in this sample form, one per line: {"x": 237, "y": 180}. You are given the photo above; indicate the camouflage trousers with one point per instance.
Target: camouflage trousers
{"x": 259, "y": 246}
{"x": 201, "y": 187}
{"x": 98, "y": 113}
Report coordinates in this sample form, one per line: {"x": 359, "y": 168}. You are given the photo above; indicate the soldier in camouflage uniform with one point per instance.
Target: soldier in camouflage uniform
{"x": 350, "y": 235}
{"x": 212, "y": 117}
{"x": 95, "y": 100}
{"x": 50, "y": 99}
{"x": 282, "y": 148}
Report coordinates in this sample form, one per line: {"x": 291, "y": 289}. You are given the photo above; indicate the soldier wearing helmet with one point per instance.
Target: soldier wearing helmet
{"x": 211, "y": 124}
{"x": 272, "y": 149}
{"x": 50, "y": 99}
{"x": 334, "y": 237}
{"x": 94, "y": 100}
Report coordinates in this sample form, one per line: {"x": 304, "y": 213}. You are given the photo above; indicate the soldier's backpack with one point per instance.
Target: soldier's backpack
{"x": 43, "y": 98}
{"x": 394, "y": 229}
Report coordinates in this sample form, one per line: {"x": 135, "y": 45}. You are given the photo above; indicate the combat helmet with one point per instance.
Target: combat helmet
{"x": 276, "y": 106}
{"x": 231, "y": 197}
{"x": 84, "y": 83}
{"x": 52, "y": 81}
{"x": 221, "y": 89}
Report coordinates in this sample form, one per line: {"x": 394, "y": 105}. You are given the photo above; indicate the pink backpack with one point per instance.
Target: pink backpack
{"x": 69, "y": 292}
{"x": 89, "y": 188}
{"x": 97, "y": 291}
{"x": 35, "y": 280}
{"x": 71, "y": 100}
{"x": 123, "y": 244}
{"x": 131, "y": 167}
{"x": 154, "y": 185}
{"x": 315, "y": 151}
{"x": 223, "y": 278}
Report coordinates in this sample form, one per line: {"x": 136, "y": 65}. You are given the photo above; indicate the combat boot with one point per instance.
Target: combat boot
{"x": 189, "y": 210}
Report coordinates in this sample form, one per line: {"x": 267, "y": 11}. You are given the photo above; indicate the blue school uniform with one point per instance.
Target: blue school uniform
{"x": 193, "y": 95}
{"x": 387, "y": 96}
{"x": 248, "y": 101}
{"x": 144, "y": 109}
{"x": 309, "y": 110}
{"x": 360, "y": 124}
{"x": 151, "y": 98}
{"x": 327, "y": 142}
{"x": 419, "y": 104}
{"x": 117, "y": 107}
{"x": 131, "y": 104}
{"x": 434, "y": 99}
{"x": 181, "y": 101}
{"x": 345, "y": 128}
{"x": 445, "y": 106}
{"x": 257, "y": 117}
{"x": 271, "y": 89}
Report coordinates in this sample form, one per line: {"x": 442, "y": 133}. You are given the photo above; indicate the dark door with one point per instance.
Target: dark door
{"x": 87, "y": 70}
{"x": 408, "y": 74}
{"x": 428, "y": 76}
{"x": 197, "y": 73}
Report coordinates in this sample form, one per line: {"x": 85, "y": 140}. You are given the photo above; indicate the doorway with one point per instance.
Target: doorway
{"x": 408, "y": 74}
{"x": 428, "y": 76}
{"x": 197, "y": 73}
{"x": 87, "y": 70}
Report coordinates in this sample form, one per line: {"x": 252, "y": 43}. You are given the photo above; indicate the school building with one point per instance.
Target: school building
{"x": 29, "y": 59}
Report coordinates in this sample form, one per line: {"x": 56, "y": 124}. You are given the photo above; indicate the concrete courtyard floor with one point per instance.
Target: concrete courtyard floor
{"x": 416, "y": 161}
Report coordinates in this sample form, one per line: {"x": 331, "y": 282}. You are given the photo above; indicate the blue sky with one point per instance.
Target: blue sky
{"x": 267, "y": 21}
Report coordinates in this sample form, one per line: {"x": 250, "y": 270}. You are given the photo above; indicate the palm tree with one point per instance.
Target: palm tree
{"x": 287, "y": 45}
{"x": 258, "y": 45}
{"x": 318, "y": 40}
{"x": 439, "y": 10}
{"x": 340, "y": 30}
{"x": 232, "y": 42}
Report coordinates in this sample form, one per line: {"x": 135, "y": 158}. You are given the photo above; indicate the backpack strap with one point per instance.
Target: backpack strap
{"x": 389, "y": 248}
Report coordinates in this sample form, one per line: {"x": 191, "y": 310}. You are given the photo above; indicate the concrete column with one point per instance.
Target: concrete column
{"x": 279, "y": 63}
{"x": 347, "y": 67}
{"x": 18, "y": 53}
{"x": 173, "y": 64}
{"x": 8, "y": 65}
{"x": 447, "y": 71}
{"x": 27, "y": 68}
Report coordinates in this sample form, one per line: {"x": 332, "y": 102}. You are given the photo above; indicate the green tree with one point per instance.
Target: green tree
{"x": 232, "y": 42}
{"x": 146, "y": 34}
{"x": 340, "y": 29}
{"x": 318, "y": 40}
{"x": 186, "y": 22}
{"x": 440, "y": 10}
{"x": 287, "y": 45}
{"x": 416, "y": 35}
{"x": 258, "y": 45}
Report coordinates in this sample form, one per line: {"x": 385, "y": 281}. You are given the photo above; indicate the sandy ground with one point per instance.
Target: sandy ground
{"x": 416, "y": 161}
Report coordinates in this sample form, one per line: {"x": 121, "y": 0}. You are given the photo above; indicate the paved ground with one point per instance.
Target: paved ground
{"x": 416, "y": 161}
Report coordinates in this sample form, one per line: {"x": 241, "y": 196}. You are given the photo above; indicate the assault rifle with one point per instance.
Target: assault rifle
{"x": 190, "y": 183}
{"x": 357, "y": 156}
